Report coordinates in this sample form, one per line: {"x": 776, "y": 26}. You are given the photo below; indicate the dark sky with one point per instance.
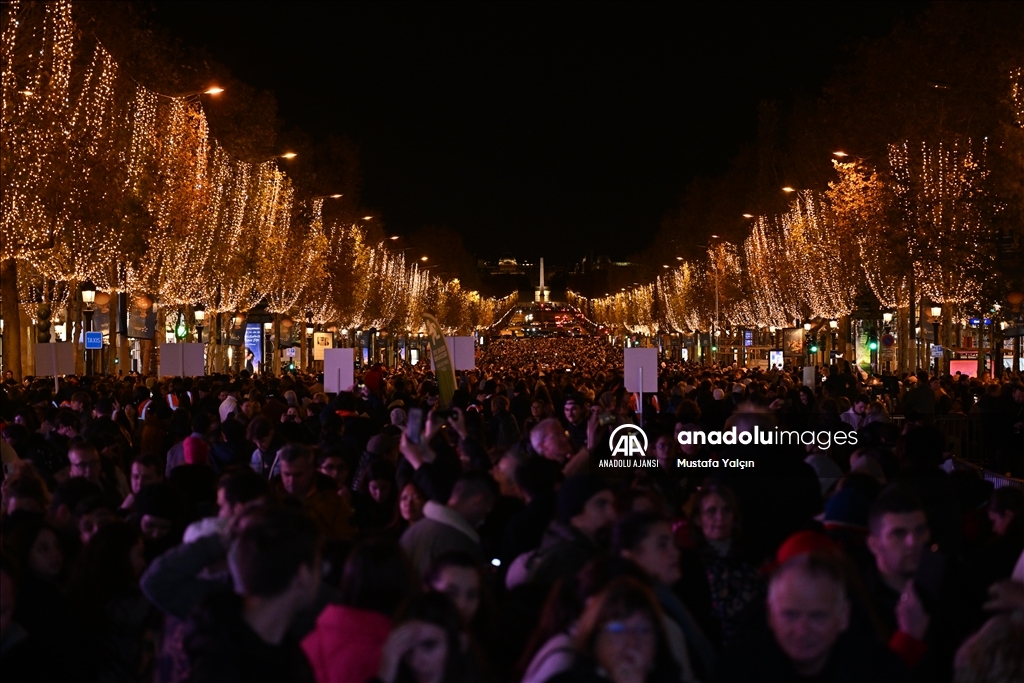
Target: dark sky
{"x": 534, "y": 129}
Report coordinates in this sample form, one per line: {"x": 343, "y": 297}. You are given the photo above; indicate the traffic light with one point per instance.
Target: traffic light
{"x": 873, "y": 345}
{"x": 180, "y": 330}
{"x": 814, "y": 347}
{"x": 43, "y": 323}
{"x": 714, "y": 348}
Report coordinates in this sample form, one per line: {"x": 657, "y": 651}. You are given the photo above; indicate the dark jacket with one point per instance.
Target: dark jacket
{"x": 562, "y": 552}
{"x": 222, "y": 648}
{"x": 759, "y": 659}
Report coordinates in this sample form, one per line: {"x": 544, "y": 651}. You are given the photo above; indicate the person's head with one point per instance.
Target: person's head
{"x": 435, "y": 653}
{"x": 91, "y": 515}
{"x": 25, "y": 491}
{"x": 808, "y": 610}
{"x": 1006, "y": 510}
{"x": 145, "y": 471}
{"x": 297, "y": 471}
{"x": 860, "y": 404}
{"x": 457, "y": 575}
{"x": 621, "y": 632}
{"x": 238, "y": 488}
{"x": 898, "y": 533}
{"x": 575, "y": 409}
{"x": 646, "y": 539}
{"x": 548, "y": 439}
{"x": 377, "y": 576}
{"x": 85, "y": 461}
{"x": 665, "y": 448}
{"x": 109, "y": 567}
{"x": 586, "y": 503}
{"x": 716, "y": 513}
{"x": 473, "y": 496}
{"x": 260, "y": 432}
{"x": 537, "y": 410}
{"x": 332, "y": 463}
{"x": 277, "y": 555}
{"x": 995, "y": 654}
{"x": 411, "y": 502}
{"x": 1018, "y": 393}
{"x": 157, "y": 510}
{"x": 34, "y": 544}
{"x": 380, "y": 481}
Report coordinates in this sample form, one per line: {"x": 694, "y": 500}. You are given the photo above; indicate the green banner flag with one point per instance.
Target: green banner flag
{"x": 443, "y": 367}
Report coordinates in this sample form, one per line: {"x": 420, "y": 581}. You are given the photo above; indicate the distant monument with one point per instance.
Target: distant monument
{"x": 541, "y": 293}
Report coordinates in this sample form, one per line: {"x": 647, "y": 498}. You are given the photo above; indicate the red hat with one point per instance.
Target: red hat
{"x": 802, "y": 543}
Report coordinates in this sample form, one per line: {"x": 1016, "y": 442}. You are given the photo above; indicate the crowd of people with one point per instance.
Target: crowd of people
{"x": 250, "y": 528}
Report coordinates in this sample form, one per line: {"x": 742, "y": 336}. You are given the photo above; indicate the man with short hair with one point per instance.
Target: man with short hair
{"x": 809, "y": 636}
{"x": 331, "y": 513}
{"x": 85, "y": 461}
{"x": 899, "y": 538}
{"x": 453, "y": 526}
{"x": 549, "y": 439}
{"x": 584, "y": 511}
{"x": 857, "y": 416}
{"x": 145, "y": 471}
{"x": 244, "y": 636}
{"x": 576, "y": 414}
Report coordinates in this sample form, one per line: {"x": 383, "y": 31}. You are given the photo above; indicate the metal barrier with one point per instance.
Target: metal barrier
{"x": 964, "y": 436}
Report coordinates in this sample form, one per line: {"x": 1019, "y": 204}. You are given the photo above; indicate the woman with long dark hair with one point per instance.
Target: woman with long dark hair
{"x": 105, "y": 593}
{"x": 427, "y": 645}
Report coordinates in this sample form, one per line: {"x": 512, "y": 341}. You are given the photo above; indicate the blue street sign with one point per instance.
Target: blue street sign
{"x": 93, "y": 341}
{"x": 977, "y": 321}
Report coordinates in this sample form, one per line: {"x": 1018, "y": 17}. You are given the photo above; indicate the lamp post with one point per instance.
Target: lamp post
{"x": 936, "y": 312}
{"x": 200, "y": 312}
{"x": 88, "y": 298}
{"x": 309, "y": 345}
{"x": 264, "y": 361}
{"x": 833, "y": 326}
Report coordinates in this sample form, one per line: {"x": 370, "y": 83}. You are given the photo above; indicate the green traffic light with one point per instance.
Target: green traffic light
{"x": 873, "y": 345}
{"x": 814, "y": 349}
{"x": 714, "y": 348}
{"x": 180, "y": 331}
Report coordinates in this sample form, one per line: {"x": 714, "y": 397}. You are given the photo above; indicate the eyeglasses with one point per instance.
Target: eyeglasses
{"x": 618, "y": 628}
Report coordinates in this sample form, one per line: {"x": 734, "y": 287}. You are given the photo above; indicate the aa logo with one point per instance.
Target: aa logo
{"x": 626, "y": 439}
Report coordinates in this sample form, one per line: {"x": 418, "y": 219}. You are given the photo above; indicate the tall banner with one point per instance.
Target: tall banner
{"x": 442, "y": 359}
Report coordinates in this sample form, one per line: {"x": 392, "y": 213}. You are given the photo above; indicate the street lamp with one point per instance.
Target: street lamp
{"x": 88, "y": 298}
{"x": 887, "y": 317}
{"x": 200, "y": 312}
{"x": 807, "y": 327}
{"x": 936, "y": 312}
{"x": 267, "y": 328}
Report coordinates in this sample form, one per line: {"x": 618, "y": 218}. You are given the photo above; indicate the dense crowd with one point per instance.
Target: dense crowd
{"x": 251, "y": 528}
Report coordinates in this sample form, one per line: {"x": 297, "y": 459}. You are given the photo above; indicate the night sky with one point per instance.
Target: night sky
{"x": 532, "y": 129}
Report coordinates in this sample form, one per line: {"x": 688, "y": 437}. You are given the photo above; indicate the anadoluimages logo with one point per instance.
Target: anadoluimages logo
{"x": 625, "y": 440}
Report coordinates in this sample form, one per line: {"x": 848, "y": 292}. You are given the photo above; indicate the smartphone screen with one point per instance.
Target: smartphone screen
{"x": 414, "y": 426}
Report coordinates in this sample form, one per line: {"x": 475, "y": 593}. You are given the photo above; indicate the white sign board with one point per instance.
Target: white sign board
{"x": 462, "y": 351}
{"x": 809, "y": 376}
{"x": 321, "y": 341}
{"x": 641, "y": 370}
{"x": 936, "y": 351}
{"x": 182, "y": 360}
{"x": 339, "y": 370}
{"x": 55, "y": 359}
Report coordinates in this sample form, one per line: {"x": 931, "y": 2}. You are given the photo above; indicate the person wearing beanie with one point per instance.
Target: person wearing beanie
{"x": 584, "y": 511}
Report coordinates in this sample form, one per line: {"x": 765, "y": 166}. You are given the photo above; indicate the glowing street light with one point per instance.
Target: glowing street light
{"x": 423, "y": 258}
{"x": 748, "y": 215}
{"x": 215, "y": 90}
{"x": 788, "y": 189}
{"x": 393, "y": 237}
{"x": 840, "y": 154}
{"x": 287, "y": 155}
